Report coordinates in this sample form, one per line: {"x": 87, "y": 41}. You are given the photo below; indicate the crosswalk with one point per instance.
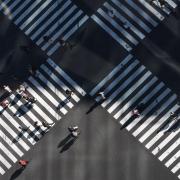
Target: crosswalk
{"x": 130, "y": 84}
{"x": 55, "y": 19}
{"x": 18, "y": 132}
{"x": 128, "y": 22}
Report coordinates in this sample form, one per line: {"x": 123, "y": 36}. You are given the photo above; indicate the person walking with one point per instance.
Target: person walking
{"x": 74, "y": 130}
{"x": 4, "y": 104}
{"x": 69, "y": 94}
{"x": 46, "y": 124}
{"x": 23, "y": 163}
{"x": 102, "y": 95}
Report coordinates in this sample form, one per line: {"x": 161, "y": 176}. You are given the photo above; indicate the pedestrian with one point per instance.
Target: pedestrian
{"x": 5, "y": 103}
{"x": 66, "y": 44}
{"x": 23, "y": 163}
{"x": 69, "y": 93}
{"x": 173, "y": 115}
{"x": 7, "y": 88}
{"x": 111, "y": 13}
{"x": 74, "y": 130}
{"x": 46, "y": 124}
{"x": 47, "y": 38}
{"x": 102, "y": 95}
{"x": 23, "y": 129}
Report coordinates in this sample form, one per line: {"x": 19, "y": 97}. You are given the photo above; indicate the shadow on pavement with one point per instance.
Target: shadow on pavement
{"x": 16, "y": 173}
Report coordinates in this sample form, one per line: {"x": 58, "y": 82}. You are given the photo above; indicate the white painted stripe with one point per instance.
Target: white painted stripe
{"x": 172, "y": 159}
{"x": 30, "y": 19}
{"x": 66, "y": 77}
{"x": 2, "y": 170}
{"x": 146, "y": 111}
{"x": 176, "y": 168}
{"x": 53, "y": 88}
{"x": 45, "y": 105}
{"x": 129, "y": 92}
{"x": 53, "y": 49}
{"x": 11, "y": 144}
{"x": 136, "y": 97}
{"x": 8, "y": 153}
{"x": 76, "y": 27}
{"x": 160, "y": 134}
{"x": 9, "y": 9}
{"x": 123, "y": 85}
{"x": 142, "y": 13}
{"x": 169, "y": 150}
{"x": 151, "y": 9}
{"x": 40, "y": 19}
{"x": 27, "y": 11}
{"x": 62, "y": 29}
{"x": 11, "y": 132}
{"x": 17, "y": 11}
{"x": 110, "y": 75}
{"x": 46, "y": 93}
{"x": 50, "y": 20}
{"x": 119, "y": 78}
{"x": 117, "y": 26}
{"x": 171, "y": 3}
{"x": 132, "y": 16}
{"x": 149, "y": 96}
{"x": 125, "y": 21}
{"x": 60, "y": 84}
{"x": 154, "y": 127}
{"x": 5, "y": 162}
{"x": 3, "y": 5}
{"x": 152, "y": 118}
{"x": 112, "y": 33}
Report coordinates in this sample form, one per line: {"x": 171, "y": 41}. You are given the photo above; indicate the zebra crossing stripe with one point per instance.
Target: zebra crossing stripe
{"x": 124, "y": 20}
{"x": 59, "y": 83}
{"x": 172, "y": 159}
{"x": 53, "y": 88}
{"x": 8, "y": 153}
{"x": 171, "y": 3}
{"x": 12, "y": 133}
{"x": 17, "y": 11}
{"x": 67, "y": 78}
{"x": 163, "y": 8}
{"x": 9, "y": 9}
{"x": 152, "y": 118}
{"x": 136, "y": 97}
{"x": 176, "y": 168}
{"x": 5, "y": 162}
{"x": 40, "y": 19}
{"x": 11, "y": 144}
{"x": 34, "y": 14}
{"x": 110, "y": 75}
{"x": 169, "y": 150}
{"x": 27, "y": 11}
{"x": 45, "y": 105}
{"x": 130, "y": 90}
{"x": 2, "y": 170}
{"x": 116, "y": 25}
{"x": 52, "y": 18}
{"x": 151, "y": 9}
{"x": 113, "y": 34}
{"x": 142, "y": 13}
{"x": 3, "y": 5}
{"x": 123, "y": 86}
{"x": 132, "y": 16}
{"x": 62, "y": 29}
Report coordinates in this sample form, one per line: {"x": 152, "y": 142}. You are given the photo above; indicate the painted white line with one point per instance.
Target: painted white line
{"x": 112, "y": 33}
{"x": 2, "y": 170}
{"x": 172, "y": 159}
{"x": 110, "y": 75}
{"x": 11, "y": 144}
{"x": 66, "y": 77}
{"x": 123, "y": 85}
{"x": 52, "y": 18}
{"x": 5, "y": 162}
{"x": 129, "y": 92}
{"x": 11, "y": 132}
{"x": 3, "y": 5}
{"x": 142, "y": 13}
{"x": 169, "y": 150}
{"x": 176, "y": 168}
{"x": 136, "y": 97}
{"x": 117, "y": 26}
{"x": 132, "y": 16}
{"x": 34, "y": 14}
{"x": 160, "y": 134}
{"x": 60, "y": 84}
{"x": 9, "y": 9}
{"x": 8, "y": 153}
{"x": 171, "y": 3}
{"x": 152, "y": 118}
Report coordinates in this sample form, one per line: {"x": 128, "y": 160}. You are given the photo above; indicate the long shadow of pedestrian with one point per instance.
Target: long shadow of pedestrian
{"x": 67, "y": 145}
{"x": 93, "y": 106}
{"x": 64, "y": 141}
{"x": 62, "y": 103}
{"x": 129, "y": 121}
{"x": 16, "y": 173}
{"x": 164, "y": 125}
{"x": 174, "y": 127}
